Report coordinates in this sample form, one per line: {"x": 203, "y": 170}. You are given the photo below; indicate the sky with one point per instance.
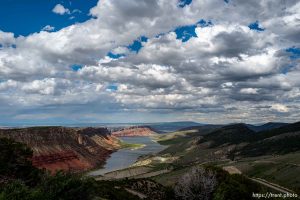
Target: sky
{"x": 112, "y": 61}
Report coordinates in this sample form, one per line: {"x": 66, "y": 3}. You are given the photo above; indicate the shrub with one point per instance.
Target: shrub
{"x": 15, "y": 163}
{"x": 198, "y": 183}
{"x": 236, "y": 187}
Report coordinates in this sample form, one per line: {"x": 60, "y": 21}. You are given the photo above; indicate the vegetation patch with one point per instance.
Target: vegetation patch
{"x": 131, "y": 145}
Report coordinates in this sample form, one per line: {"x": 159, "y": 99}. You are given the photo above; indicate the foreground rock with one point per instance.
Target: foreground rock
{"x": 68, "y": 149}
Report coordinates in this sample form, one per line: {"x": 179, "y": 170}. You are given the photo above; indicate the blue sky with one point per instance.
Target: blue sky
{"x": 148, "y": 61}
{"x": 256, "y": 26}
{"x": 30, "y": 16}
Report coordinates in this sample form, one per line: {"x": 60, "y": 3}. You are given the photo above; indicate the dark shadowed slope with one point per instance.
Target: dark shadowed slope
{"x": 231, "y": 134}
{"x": 275, "y": 141}
{"x": 267, "y": 126}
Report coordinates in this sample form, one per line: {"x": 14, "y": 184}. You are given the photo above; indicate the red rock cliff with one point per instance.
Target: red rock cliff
{"x": 133, "y": 131}
{"x": 69, "y": 149}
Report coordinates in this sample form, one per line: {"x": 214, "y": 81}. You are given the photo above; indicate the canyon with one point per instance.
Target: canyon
{"x": 68, "y": 149}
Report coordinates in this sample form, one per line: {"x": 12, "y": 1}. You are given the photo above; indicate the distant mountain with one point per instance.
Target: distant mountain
{"x": 159, "y": 127}
{"x": 267, "y": 126}
{"x": 202, "y": 129}
{"x": 165, "y": 127}
{"x": 206, "y": 128}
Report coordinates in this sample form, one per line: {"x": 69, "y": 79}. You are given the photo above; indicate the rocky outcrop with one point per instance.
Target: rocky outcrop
{"x": 133, "y": 131}
{"x": 69, "y": 149}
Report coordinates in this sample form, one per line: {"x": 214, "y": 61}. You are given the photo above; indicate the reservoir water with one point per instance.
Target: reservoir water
{"x": 123, "y": 158}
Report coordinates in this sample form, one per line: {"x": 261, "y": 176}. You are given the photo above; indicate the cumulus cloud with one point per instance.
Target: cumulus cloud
{"x": 227, "y": 72}
{"x": 60, "y": 9}
{"x": 6, "y": 39}
{"x": 279, "y": 108}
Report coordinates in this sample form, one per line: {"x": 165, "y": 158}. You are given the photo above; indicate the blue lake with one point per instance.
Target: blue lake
{"x": 123, "y": 158}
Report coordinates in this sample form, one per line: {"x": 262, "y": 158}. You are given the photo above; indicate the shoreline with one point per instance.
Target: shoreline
{"x": 129, "y": 147}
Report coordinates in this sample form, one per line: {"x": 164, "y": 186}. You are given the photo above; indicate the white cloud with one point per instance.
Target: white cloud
{"x": 9, "y": 84}
{"x": 249, "y": 90}
{"x": 48, "y": 28}
{"x": 60, "y": 9}
{"x": 227, "y": 72}
{"x": 6, "y": 39}
{"x": 279, "y": 108}
{"x": 76, "y": 11}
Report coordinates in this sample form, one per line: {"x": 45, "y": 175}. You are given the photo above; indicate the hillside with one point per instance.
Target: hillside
{"x": 231, "y": 134}
{"x": 294, "y": 127}
{"x": 61, "y": 148}
{"x": 272, "y": 155}
{"x": 230, "y": 142}
{"x": 275, "y": 141}
{"x": 281, "y": 140}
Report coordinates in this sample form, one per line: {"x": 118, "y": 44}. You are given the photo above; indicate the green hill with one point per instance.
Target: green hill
{"x": 281, "y": 140}
{"x": 231, "y": 134}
